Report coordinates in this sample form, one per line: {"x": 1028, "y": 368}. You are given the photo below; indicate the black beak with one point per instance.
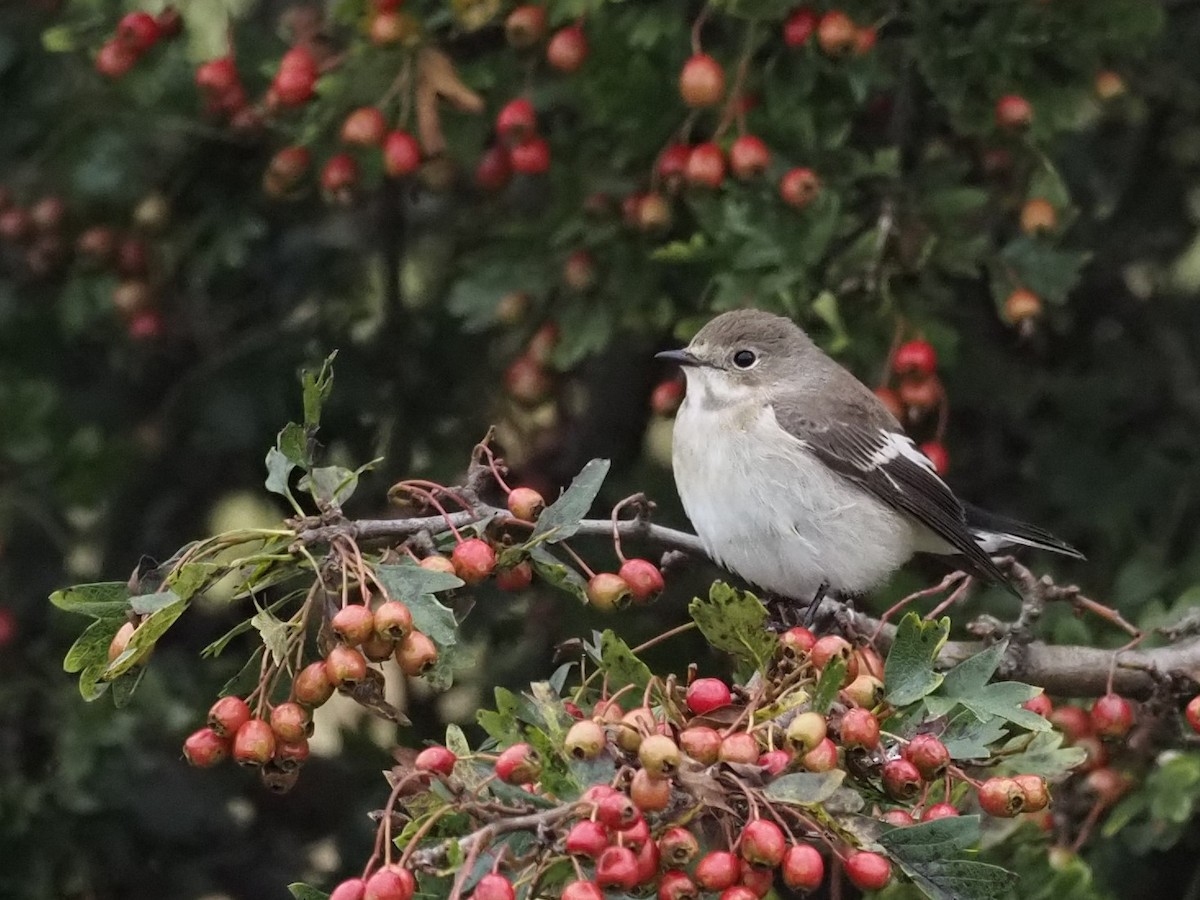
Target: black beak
{"x": 683, "y": 357}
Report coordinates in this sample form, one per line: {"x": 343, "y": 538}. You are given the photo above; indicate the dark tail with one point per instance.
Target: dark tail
{"x": 995, "y": 533}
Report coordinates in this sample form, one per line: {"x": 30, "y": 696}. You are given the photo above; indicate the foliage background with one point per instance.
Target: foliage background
{"x": 112, "y": 446}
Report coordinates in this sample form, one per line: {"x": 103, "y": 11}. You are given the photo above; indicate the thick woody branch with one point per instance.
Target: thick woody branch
{"x": 1063, "y": 670}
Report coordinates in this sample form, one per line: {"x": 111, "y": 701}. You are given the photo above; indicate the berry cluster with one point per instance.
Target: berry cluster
{"x": 837, "y": 34}
{"x": 919, "y": 396}
{"x": 136, "y": 34}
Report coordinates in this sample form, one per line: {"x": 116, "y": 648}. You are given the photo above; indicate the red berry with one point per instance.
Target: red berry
{"x": 644, "y": 579}
{"x": 739, "y": 747}
{"x": 291, "y": 722}
{"x": 474, "y": 560}
{"x": 607, "y": 591}
{"x": 139, "y": 31}
{"x": 515, "y": 578}
{"x": 205, "y": 748}
{"x": 705, "y": 166}
{"x": 290, "y": 164}
{"x": 702, "y": 81}
{"x": 865, "y": 39}
{"x": 437, "y": 563}
{"x": 345, "y": 666}
{"x": 677, "y": 847}
{"x": 416, "y": 653}
{"x": 1112, "y": 716}
{"x": 757, "y": 879}
{"x": 518, "y": 764}
{"x": 807, "y": 730}
{"x": 799, "y": 187}
{"x": 637, "y": 835}
{"x": 1013, "y": 112}
{"x": 401, "y": 153}
{"x": 391, "y": 883}
{"x": 617, "y": 867}
{"x": 898, "y": 818}
{"x": 738, "y": 892}
{"x": 567, "y": 49}
{"x": 439, "y": 760}
{"x": 1072, "y": 721}
{"x": 915, "y": 358}
{"x": 860, "y": 728}
{"x": 928, "y": 754}
{"x": 1109, "y": 85}
{"x": 748, "y": 157}
{"x": 821, "y": 758}
{"x": 115, "y": 59}
{"x": 525, "y": 503}
{"x": 706, "y": 694}
{"x": 615, "y": 810}
{"x": 494, "y": 886}
{"x": 98, "y": 244}
{"x": 1107, "y": 784}
{"x": 836, "y": 33}
{"x": 676, "y": 885}
{"x": 254, "y": 743}
{"x": 1001, "y": 797}
{"x": 525, "y": 26}
{"x": 146, "y": 324}
{"x": 799, "y": 27}
{"x": 717, "y": 871}
{"x": 587, "y": 838}
{"x": 1037, "y": 795}
{"x": 672, "y": 164}
{"x": 218, "y": 76}
{"x": 526, "y": 381}
{"x": 227, "y": 715}
{"x": 666, "y": 397}
{"x": 390, "y": 27}
{"x": 15, "y": 224}
{"x": 1192, "y": 713}
{"x": 582, "y": 890}
{"x": 1022, "y": 305}
{"x": 803, "y": 867}
{"x": 353, "y": 624}
{"x": 649, "y": 793}
{"x": 296, "y": 78}
{"x": 762, "y": 843}
{"x": 311, "y": 685}
{"x": 531, "y": 157}
{"x": 832, "y": 647}
{"x": 350, "y": 889}
{"x": 901, "y": 779}
{"x": 517, "y": 121}
{"x": 290, "y": 755}
{"x": 1040, "y": 704}
{"x": 701, "y": 743}
{"x": 585, "y": 740}
{"x": 920, "y": 392}
{"x": 364, "y": 127}
{"x": 868, "y": 871}
{"x": 936, "y": 453}
{"x": 939, "y": 811}
{"x": 796, "y": 642}
{"x": 494, "y": 169}
{"x": 339, "y": 176}
{"x": 579, "y": 274}
{"x": 393, "y": 621}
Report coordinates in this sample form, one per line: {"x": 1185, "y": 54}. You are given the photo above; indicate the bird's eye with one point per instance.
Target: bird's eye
{"x": 744, "y": 359}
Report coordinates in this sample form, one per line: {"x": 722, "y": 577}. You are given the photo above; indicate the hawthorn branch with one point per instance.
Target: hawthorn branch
{"x": 1063, "y": 670}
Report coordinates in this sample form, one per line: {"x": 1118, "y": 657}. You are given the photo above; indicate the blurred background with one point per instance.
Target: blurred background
{"x": 188, "y": 218}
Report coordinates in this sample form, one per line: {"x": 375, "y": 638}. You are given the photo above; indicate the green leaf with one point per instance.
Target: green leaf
{"x": 967, "y": 684}
{"x": 144, "y": 638}
{"x": 501, "y": 724}
{"x": 927, "y": 852}
{"x": 825, "y": 308}
{"x": 330, "y": 485}
{"x": 736, "y": 622}
{"x": 91, "y": 647}
{"x": 317, "y": 389}
{"x": 274, "y": 634}
{"x": 456, "y": 741}
{"x": 1043, "y": 754}
{"x": 805, "y": 788}
{"x": 279, "y": 468}
{"x": 908, "y": 672}
{"x": 194, "y": 577}
{"x": 550, "y": 711}
{"x": 407, "y": 582}
{"x": 1049, "y": 272}
{"x": 557, "y": 574}
{"x": 146, "y": 604}
{"x": 620, "y": 664}
{"x": 302, "y": 891}
{"x": 103, "y": 600}
{"x": 294, "y": 443}
{"x": 561, "y": 518}
{"x": 828, "y": 685}
{"x": 434, "y": 619}
{"x": 970, "y": 737}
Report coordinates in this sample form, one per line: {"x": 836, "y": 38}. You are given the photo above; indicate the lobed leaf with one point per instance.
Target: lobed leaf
{"x": 560, "y": 520}
{"x": 736, "y": 622}
{"x": 909, "y": 670}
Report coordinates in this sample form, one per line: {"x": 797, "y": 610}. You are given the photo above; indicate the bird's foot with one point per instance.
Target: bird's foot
{"x": 782, "y": 613}
{"x": 810, "y": 612}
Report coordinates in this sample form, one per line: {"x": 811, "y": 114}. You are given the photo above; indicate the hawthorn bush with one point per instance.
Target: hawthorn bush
{"x": 496, "y": 213}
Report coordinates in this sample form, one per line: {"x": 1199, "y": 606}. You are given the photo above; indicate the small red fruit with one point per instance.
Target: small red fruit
{"x": 473, "y": 559}
{"x": 353, "y": 624}
{"x": 1108, "y": 785}
{"x": 636, "y": 836}
{"x": 1037, "y": 795}
{"x": 797, "y": 642}
{"x": 864, "y": 40}
{"x": 757, "y": 879}
{"x": 339, "y": 176}
{"x": 515, "y": 578}
{"x": 311, "y": 685}
{"x": 659, "y": 755}
{"x": 831, "y": 647}
{"x": 763, "y": 843}
{"x": 227, "y": 715}
{"x": 1040, "y": 704}
{"x": 1192, "y": 713}
{"x": 701, "y": 743}
{"x": 218, "y": 76}
{"x": 702, "y": 81}
{"x": 525, "y": 26}
{"x": 666, "y": 397}
{"x": 439, "y": 760}
{"x": 526, "y": 381}
{"x": 939, "y": 811}
{"x": 585, "y": 740}
{"x": 936, "y": 453}
{"x": 494, "y": 169}
{"x": 868, "y": 871}
{"x": 1021, "y": 306}
{"x": 494, "y": 886}
{"x": 205, "y": 748}
{"x": 518, "y": 764}
{"x": 901, "y": 779}
{"x": 717, "y": 870}
{"x": 615, "y": 810}
{"x": 865, "y": 691}
{"x": 1001, "y": 797}
{"x": 1109, "y": 85}
{"x": 672, "y": 163}
{"x": 587, "y": 838}
{"x": 920, "y": 393}
{"x": 291, "y": 755}
{"x": 706, "y": 694}
{"x": 799, "y": 27}
{"x": 739, "y": 892}
{"x": 915, "y": 358}
{"x": 739, "y": 747}
{"x": 1038, "y": 215}
{"x": 836, "y": 33}
{"x": 748, "y": 157}
{"x": 401, "y": 154}
{"x": 644, "y": 579}
{"x": 350, "y": 889}
{"x": 531, "y": 157}
{"x": 296, "y": 78}
{"x": 705, "y": 166}
{"x": 416, "y": 653}
{"x": 607, "y": 591}
{"x": 291, "y": 722}
{"x": 115, "y": 59}
{"x": 582, "y": 890}
{"x": 803, "y": 867}
{"x": 345, "y": 666}
{"x": 437, "y": 563}
{"x": 391, "y": 883}
{"x": 393, "y": 621}
{"x": 517, "y": 121}
{"x": 821, "y": 758}
{"x": 617, "y": 867}
{"x": 676, "y": 885}
{"x": 1013, "y": 112}
{"x": 525, "y": 503}
{"x": 807, "y": 730}
{"x": 677, "y": 847}
{"x": 254, "y": 743}
{"x": 567, "y": 49}
{"x": 897, "y": 818}
{"x": 860, "y": 728}
{"x": 1072, "y": 721}
{"x": 1112, "y": 716}
{"x": 139, "y": 31}
{"x": 928, "y": 754}
{"x": 579, "y": 274}
{"x": 648, "y": 792}
{"x": 799, "y": 187}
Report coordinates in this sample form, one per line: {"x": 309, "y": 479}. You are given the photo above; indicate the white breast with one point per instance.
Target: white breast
{"x": 769, "y": 511}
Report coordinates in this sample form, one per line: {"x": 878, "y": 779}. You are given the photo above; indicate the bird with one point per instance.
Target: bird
{"x": 800, "y": 481}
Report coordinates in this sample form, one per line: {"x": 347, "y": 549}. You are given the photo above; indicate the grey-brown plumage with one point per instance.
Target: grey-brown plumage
{"x": 796, "y": 476}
